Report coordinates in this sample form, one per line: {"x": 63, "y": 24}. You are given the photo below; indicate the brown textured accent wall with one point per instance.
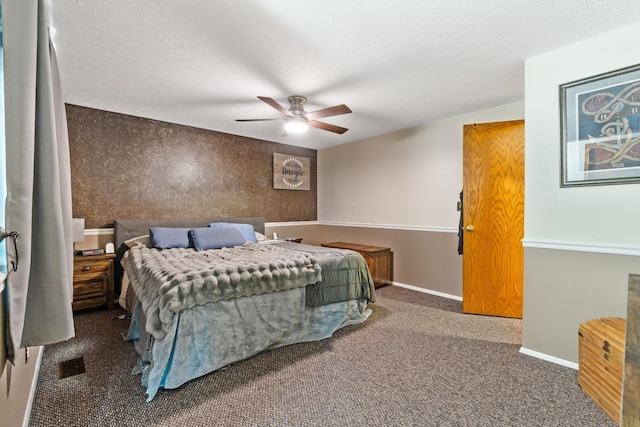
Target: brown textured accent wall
{"x": 130, "y": 167}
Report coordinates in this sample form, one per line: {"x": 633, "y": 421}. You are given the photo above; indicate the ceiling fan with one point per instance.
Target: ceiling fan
{"x": 298, "y": 120}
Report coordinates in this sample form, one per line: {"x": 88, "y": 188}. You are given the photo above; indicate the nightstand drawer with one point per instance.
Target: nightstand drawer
{"x": 90, "y": 290}
{"x": 91, "y": 266}
{"x": 93, "y": 281}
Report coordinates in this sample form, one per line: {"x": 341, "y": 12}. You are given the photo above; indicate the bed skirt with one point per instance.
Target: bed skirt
{"x": 213, "y": 335}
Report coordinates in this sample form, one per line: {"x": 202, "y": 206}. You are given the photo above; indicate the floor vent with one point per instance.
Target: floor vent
{"x": 71, "y": 367}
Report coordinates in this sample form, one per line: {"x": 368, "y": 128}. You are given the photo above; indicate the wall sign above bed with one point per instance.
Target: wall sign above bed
{"x": 291, "y": 172}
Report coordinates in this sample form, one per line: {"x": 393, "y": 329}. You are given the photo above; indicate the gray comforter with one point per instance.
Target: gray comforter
{"x": 168, "y": 281}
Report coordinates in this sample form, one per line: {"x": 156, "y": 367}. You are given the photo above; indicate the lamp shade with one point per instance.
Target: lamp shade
{"x": 78, "y": 229}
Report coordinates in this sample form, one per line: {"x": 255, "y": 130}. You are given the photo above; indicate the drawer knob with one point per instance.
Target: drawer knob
{"x": 86, "y": 268}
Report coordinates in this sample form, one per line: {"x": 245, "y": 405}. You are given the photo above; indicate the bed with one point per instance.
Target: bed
{"x": 196, "y": 311}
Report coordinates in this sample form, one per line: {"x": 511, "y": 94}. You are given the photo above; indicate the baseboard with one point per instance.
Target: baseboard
{"x": 427, "y": 291}
{"x": 32, "y": 392}
{"x": 548, "y": 358}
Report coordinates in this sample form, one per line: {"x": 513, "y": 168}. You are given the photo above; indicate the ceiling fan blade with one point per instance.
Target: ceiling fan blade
{"x": 273, "y": 103}
{"x": 327, "y": 126}
{"x": 328, "y": 112}
{"x": 255, "y": 120}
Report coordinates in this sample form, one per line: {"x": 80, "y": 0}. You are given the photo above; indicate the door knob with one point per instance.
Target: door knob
{"x": 470, "y": 228}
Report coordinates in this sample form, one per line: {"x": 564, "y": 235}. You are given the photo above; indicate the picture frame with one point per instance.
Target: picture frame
{"x": 600, "y": 129}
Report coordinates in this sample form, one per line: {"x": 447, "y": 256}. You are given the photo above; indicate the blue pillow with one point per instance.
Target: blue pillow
{"x": 215, "y": 238}
{"x": 168, "y": 237}
{"x": 245, "y": 229}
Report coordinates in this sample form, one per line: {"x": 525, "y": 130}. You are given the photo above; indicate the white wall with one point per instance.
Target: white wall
{"x": 602, "y": 215}
{"x": 410, "y": 178}
{"x": 17, "y": 387}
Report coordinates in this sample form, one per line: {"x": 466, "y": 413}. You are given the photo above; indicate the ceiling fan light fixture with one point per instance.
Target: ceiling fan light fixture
{"x": 298, "y": 120}
{"x": 296, "y": 125}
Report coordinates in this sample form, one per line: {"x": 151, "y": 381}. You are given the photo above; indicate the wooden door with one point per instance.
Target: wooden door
{"x": 493, "y": 218}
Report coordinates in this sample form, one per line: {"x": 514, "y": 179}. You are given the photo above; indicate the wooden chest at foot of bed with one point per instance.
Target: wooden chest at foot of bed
{"x": 601, "y": 362}
{"x": 379, "y": 260}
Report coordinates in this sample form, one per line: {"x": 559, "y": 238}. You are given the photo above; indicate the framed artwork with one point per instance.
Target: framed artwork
{"x": 600, "y": 121}
{"x": 291, "y": 172}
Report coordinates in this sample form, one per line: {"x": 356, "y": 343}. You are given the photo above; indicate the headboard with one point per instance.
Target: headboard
{"x": 125, "y": 229}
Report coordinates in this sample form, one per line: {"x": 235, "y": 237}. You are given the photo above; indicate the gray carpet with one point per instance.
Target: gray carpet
{"x": 417, "y": 361}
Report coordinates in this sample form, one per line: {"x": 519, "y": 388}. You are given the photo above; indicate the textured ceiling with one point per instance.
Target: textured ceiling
{"x": 396, "y": 64}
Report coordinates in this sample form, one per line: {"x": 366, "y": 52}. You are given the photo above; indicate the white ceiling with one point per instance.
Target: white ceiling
{"x": 396, "y": 64}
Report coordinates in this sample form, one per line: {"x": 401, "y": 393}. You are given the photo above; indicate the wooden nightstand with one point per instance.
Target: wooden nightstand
{"x": 93, "y": 281}
{"x": 379, "y": 260}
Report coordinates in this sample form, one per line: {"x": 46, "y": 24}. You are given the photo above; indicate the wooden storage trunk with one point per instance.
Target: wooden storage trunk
{"x": 601, "y": 362}
{"x": 379, "y": 260}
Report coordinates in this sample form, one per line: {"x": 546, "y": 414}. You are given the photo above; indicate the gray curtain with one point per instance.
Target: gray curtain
{"x": 38, "y": 203}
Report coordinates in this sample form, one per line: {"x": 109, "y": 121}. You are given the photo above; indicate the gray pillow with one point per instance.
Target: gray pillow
{"x": 215, "y": 238}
